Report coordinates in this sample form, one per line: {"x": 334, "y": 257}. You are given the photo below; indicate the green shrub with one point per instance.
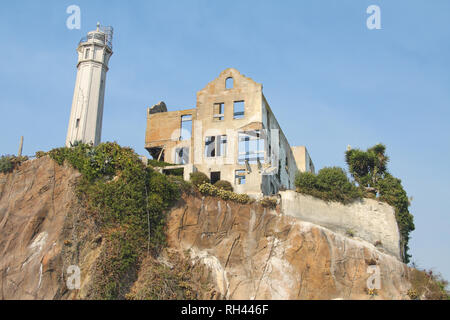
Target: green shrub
{"x": 175, "y": 172}
{"x": 6, "y": 164}
{"x": 392, "y": 192}
{"x": 330, "y": 184}
{"x": 225, "y": 185}
{"x": 336, "y": 185}
{"x": 199, "y": 178}
{"x": 306, "y": 181}
{"x": 182, "y": 184}
{"x": 40, "y": 154}
{"x": 367, "y": 167}
{"x": 158, "y": 164}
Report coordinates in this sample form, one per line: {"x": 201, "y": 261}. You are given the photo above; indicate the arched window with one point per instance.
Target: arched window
{"x": 229, "y": 83}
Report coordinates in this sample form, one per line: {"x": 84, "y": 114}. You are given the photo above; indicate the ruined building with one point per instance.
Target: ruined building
{"x": 231, "y": 135}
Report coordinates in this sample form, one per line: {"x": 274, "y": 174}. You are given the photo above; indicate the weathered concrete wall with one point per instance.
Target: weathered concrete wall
{"x": 164, "y": 130}
{"x": 287, "y": 163}
{"x": 369, "y": 220}
{"x": 303, "y": 159}
{"x": 244, "y": 89}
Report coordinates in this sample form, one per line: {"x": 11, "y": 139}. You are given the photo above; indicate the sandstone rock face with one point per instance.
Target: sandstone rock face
{"x": 255, "y": 253}
{"x": 43, "y": 231}
{"x": 34, "y": 201}
{"x": 246, "y": 251}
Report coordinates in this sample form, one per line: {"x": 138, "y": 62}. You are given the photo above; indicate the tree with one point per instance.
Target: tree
{"x": 367, "y": 167}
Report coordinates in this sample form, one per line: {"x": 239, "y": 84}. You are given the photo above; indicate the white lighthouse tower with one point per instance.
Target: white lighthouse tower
{"x": 94, "y": 51}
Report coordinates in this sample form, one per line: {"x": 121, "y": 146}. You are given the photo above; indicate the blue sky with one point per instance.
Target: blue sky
{"x": 330, "y": 81}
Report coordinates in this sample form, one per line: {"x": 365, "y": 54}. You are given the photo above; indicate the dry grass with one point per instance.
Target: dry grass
{"x": 170, "y": 278}
{"x": 426, "y": 285}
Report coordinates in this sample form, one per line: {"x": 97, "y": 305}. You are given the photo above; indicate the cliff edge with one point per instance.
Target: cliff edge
{"x": 233, "y": 251}
{"x": 256, "y": 253}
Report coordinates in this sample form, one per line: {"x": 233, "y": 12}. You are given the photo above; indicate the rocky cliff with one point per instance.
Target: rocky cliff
{"x": 234, "y": 251}
{"x": 36, "y": 203}
{"x": 255, "y": 253}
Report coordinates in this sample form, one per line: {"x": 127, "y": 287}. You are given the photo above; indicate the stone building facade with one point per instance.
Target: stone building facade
{"x": 231, "y": 135}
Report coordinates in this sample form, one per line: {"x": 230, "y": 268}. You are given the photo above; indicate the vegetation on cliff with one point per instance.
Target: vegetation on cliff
{"x": 112, "y": 243}
{"x": 371, "y": 179}
{"x": 161, "y": 164}
{"x": 129, "y": 201}
{"x": 427, "y": 285}
{"x": 6, "y": 165}
{"x": 330, "y": 184}
{"x": 221, "y": 189}
{"x": 369, "y": 169}
{"x": 9, "y": 163}
{"x": 175, "y": 279}
{"x": 225, "y": 185}
{"x": 213, "y": 191}
{"x": 199, "y": 178}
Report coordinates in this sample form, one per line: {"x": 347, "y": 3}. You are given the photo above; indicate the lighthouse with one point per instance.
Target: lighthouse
{"x": 94, "y": 52}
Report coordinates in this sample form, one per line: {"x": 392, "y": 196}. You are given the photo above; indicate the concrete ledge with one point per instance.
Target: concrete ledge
{"x": 369, "y": 220}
